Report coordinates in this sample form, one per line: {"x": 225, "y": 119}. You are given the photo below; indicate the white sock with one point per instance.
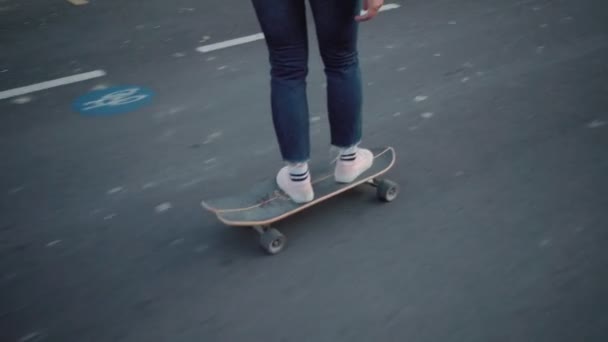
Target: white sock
{"x": 349, "y": 154}
{"x": 298, "y": 172}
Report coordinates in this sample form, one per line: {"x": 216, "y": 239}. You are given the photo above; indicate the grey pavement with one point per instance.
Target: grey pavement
{"x": 497, "y": 111}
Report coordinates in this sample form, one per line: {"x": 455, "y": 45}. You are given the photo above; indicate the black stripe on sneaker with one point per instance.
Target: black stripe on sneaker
{"x": 348, "y": 157}
{"x": 299, "y": 177}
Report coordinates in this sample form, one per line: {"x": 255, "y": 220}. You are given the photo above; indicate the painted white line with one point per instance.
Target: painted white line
{"x": 260, "y": 36}
{"x": 78, "y": 2}
{"x": 51, "y": 84}
{"x": 231, "y": 42}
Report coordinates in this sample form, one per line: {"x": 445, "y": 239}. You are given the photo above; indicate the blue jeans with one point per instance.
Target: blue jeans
{"x": 283, "y": 23}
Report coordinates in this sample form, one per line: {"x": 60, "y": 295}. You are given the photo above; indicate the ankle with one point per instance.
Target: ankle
{"x": 298, "y": 172}
{"x": 348, "y": 154}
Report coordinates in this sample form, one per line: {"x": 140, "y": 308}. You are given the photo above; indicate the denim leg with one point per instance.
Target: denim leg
{"x": 337, "y": 36}
{"x": 283, "y": 23}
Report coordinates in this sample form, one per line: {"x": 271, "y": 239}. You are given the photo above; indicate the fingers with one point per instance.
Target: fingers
{"x": 369, "y": 11}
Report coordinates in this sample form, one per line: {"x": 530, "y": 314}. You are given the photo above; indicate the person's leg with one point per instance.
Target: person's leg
{"x": 337, "y": 33}
{"x": 283, "y": 23}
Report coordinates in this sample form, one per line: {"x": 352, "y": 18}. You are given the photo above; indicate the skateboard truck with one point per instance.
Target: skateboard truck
{"x": 386, "y": 190}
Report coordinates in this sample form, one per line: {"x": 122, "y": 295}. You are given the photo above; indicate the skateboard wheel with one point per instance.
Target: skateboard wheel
{"x": 272, "y": 241}
{"x": 387, "y": 190}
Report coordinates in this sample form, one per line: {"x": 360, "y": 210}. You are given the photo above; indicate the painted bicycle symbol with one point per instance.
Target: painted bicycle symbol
{"x": 114, "y": 100}
{"x": 117, "y": 98}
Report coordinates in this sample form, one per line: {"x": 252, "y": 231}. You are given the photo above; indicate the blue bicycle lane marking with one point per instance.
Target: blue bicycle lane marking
{"x": 113, "y": 100}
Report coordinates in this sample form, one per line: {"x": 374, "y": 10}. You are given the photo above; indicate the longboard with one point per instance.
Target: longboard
{"x": 265, "y": 204}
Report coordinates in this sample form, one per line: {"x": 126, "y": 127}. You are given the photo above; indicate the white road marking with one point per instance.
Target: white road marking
{"x": 22, "y": 100}
{"x": 100, "y": 86}
{"x": 177, "y": 242}
{"x": 114, "y": 190}
{"x": 51, "y": 84}
{"x": 30, "y": 337}
{"x": 149, "y": 185}
{"x": 212, "y": 137}
{"x": 201, "y": 248}
{"x": 78, "y": 2}
{"x": 109, "y": 217}
{"x": 53, "y": 243}
{"x": 163, "y": 207}
{"x": 230, "y": 43}
{"x": 259, "y": 36}
{"x": 596, "y": 124}
{"x": 192, "y": 182}
{"x": 15, "y": 190}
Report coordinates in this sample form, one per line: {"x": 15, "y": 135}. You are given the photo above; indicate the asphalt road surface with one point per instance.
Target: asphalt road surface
{"x": 497, "y": 111}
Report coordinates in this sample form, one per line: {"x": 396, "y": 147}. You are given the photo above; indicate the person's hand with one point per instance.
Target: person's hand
{"x": 371, "y": 8}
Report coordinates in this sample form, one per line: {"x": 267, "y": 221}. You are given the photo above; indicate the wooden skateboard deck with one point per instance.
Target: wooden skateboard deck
{"x": 266, "y": 204}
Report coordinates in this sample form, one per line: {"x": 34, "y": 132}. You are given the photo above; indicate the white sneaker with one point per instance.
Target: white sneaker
{"x": 300, "y": 191}
{"x": 348, "y": 170}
